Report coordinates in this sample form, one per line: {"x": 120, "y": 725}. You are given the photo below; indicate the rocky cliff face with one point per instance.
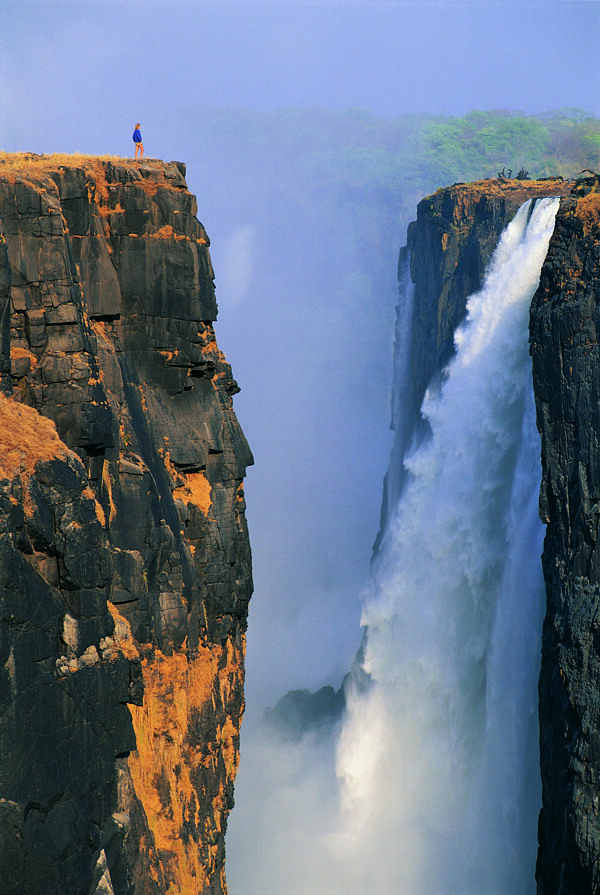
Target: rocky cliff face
{"x": 565, "y": 322}
{"x": 124, "y": 558}
{"x": 450, "y": 243}
{"x": 455, "y": 232}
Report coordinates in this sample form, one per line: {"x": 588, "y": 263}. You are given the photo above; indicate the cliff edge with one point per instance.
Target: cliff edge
{"x": 125, "y": 569}
{"x": 565, "y": 322}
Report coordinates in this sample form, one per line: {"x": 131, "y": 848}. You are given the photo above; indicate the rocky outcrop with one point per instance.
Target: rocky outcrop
{"x": 449, "y": 245}
{"x": 565, "y": 323}
{"x": 125, "y": 565}
{"x": 447, "y": 251}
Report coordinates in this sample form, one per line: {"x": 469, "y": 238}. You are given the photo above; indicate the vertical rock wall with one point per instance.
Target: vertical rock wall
{"x": 125, "y": 565}
{"x": 565, "y": 323}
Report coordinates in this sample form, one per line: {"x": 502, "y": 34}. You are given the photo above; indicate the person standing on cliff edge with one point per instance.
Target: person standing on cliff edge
{"x": 137, "y": 139}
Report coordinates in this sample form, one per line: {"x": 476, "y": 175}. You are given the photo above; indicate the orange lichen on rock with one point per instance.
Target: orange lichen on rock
{"x": 107, "y": 483}
{"x": 143, "y": 401}
{"x": 167, "y": 232}
{"x": 150, "y": 187}
{"x": 26, "y": 437}
{"x": 122, "y": 635}
{"x": 211, "y": 348}
{"x": 173, "y": 757}
{"x": 166, "y": 458}
{"x": 169, "y": 354}
{"x": 197, "y": 490}
{"x": 588, "y": 210}
{"x": 99, "y": 185}
{"x": 17, "y": 351}
{"x": 87, "y": 492}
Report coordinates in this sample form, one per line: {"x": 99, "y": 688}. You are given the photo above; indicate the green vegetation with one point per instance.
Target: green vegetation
{"x": 355, "y": 159}
{"x": 370, "y": 149}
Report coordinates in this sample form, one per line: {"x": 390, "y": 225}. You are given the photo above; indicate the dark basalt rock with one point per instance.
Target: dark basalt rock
{"x": 124, "y": 558}
{"x": 63, "y": 696}
{"x": 565, "y": 322}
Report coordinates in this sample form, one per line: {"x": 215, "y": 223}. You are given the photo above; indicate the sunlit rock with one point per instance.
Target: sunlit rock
{"x": 124, "y": 557}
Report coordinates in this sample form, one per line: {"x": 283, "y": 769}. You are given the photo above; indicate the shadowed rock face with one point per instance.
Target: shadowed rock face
{"x": 565, "y": 322}
{"x": 125, "y": 568}
{"x": 450, "y": 244}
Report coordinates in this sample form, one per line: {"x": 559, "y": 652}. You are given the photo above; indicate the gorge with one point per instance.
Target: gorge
{"x": 564, "y": 349}
{"x": 126, "y": 565}
{"x": 365, "y": 833}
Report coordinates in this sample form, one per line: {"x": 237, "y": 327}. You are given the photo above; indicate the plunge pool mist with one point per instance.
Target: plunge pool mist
{"x": 431, "y": 785}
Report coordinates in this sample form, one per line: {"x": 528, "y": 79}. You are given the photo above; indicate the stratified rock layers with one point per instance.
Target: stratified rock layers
{"x": 565, "y": 322}
{"x": 125, "y": 569}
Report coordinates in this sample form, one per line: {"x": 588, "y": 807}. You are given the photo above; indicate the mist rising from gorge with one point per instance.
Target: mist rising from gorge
{"x": 306, "y": 211}
{"x": 393, "y": 798}
{"x": 305, "y": 240}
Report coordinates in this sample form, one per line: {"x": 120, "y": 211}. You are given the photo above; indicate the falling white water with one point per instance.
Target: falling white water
{"x": 402, "y": 401}
{"x": 439, "y": 758}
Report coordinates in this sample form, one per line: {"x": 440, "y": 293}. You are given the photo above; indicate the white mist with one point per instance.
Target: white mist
{"x": 437, "y": 789}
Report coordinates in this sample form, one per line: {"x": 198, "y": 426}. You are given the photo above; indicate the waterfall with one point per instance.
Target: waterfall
{"x": 439, "y": 758}
{"x": 402, "y": 400}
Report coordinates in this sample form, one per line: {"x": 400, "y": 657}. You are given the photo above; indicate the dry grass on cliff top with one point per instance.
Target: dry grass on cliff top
{"x": 518, "y": 190}
{"x": 31, "y": 162}
{"x": 588, "y": 210}
{"x": 26, "y": 437}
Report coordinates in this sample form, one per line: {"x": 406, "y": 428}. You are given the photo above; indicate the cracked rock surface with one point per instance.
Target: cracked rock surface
{"x": 565, "y": 323}
{"x": 125, "y": 569}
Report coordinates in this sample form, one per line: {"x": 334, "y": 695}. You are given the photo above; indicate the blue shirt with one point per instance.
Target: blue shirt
{"x": 137, "y": 137}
